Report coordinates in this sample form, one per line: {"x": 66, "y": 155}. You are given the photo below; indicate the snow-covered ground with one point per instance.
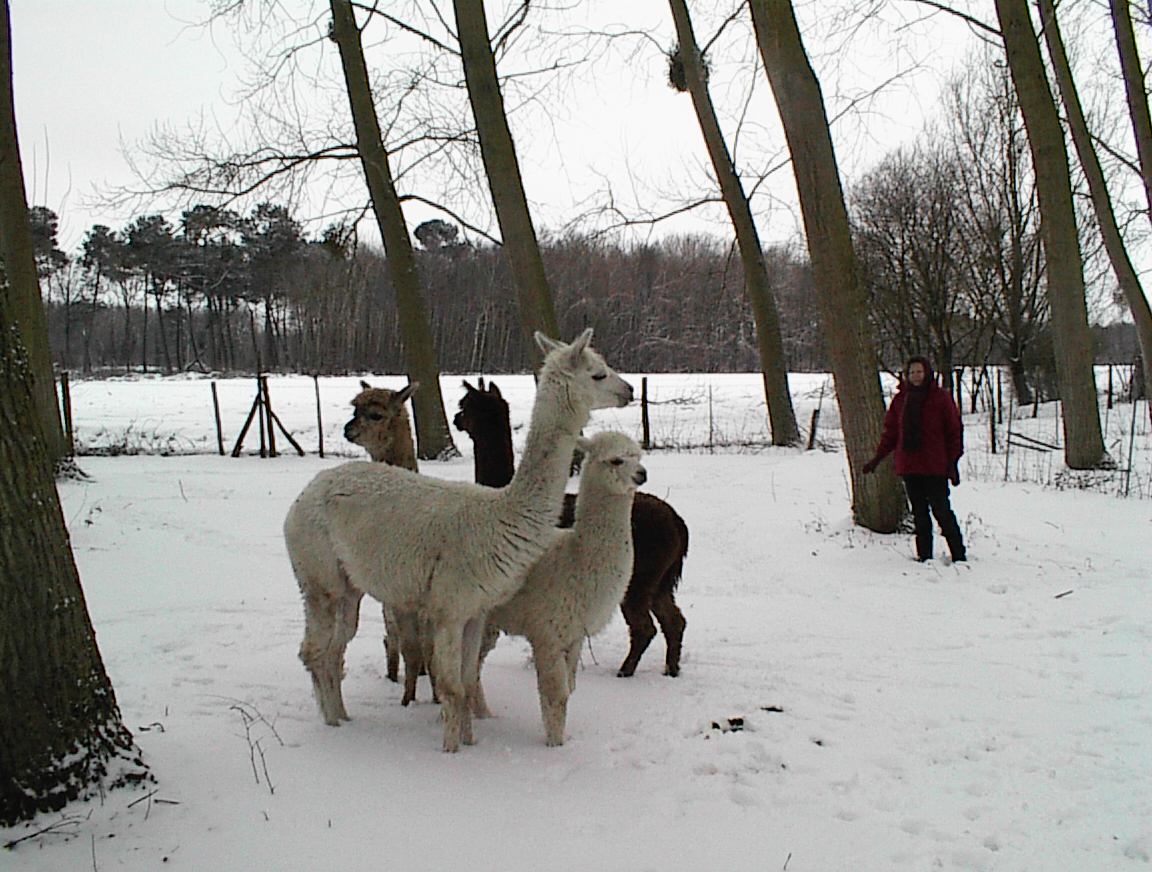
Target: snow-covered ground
{"x": 896, "y": 716}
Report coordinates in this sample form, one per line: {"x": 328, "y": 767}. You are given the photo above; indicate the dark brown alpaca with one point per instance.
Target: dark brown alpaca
{"x": 659, "y": 534}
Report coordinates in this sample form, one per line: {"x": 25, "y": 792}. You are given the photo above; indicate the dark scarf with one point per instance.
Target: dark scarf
{"x": 911, "y": 430}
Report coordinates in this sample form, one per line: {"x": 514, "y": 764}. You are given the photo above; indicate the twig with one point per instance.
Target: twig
{"x": 787, "y": 861}
{"x": 44, "y": 831}
{"x": 1060, "y": 595}
{"x": 92, "y": 836}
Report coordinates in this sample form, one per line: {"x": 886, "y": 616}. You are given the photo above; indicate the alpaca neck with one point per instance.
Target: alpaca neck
{"x": 538, "y": 485}
{"x": 492, "y": 459}
{"x": 599, "y": 510}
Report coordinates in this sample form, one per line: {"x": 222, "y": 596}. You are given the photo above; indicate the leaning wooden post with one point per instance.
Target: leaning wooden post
{"x": 219, "y": 426}
{"x": 319, "y": 417}
{"x": 66, "y": 402}
{"x": 247, "y": 423}
{"x": 812, "y": 428}
{"x": 999, "y": 397}
{"x": 1109, "y": 386}
{"x": 645, "y": 424}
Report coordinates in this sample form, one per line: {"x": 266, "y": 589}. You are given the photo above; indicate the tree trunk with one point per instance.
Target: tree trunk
{"x": 1136, "y": 91}
{"x": 1122, "y": 266}
{"x": 537, "y": 311}
{"x": 25, "y": 307}
{"x": 781, "y": 415}
{"x": 433, "y": 439}
{"x": 1071, "y": 337}
{"x": 877, "y": 500}
{"x": 61, "y": 734}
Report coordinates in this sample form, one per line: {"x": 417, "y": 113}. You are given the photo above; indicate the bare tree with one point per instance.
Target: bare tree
{"x": 537, "y": 310}
{"x": 22, "y": 288}
{"x": 1072, "y": 339}
{"x": 877, "y": 501}
{"x": 691, "y": 65}
{"x": 1125, "y": 272}
{"x": 432, "y": 434}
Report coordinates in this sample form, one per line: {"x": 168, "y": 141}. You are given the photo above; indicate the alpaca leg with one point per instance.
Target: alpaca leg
{"x": 552, "y": 686}
{"x": 391, "y": 644}
{"x": 446, "y": 665}
{"x": 477, "y": 701}
{"x": 672, "y": 624}
{"x": 572, "y": 656}
{"x": 641, "y": 631}
{"x": 330, "y": 622}
{"x": 471, "y": 645}
{"x": 406, "y": 633}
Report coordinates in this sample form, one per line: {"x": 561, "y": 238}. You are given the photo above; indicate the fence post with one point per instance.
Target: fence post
{"x": 66, "y": 402}
{"x": 268, "y": 415}
{"x": 219, "y": 426}
{"x": 319, "y": 417}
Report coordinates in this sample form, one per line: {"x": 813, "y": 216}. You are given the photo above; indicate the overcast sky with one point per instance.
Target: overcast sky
{"x": 93, "y": 77}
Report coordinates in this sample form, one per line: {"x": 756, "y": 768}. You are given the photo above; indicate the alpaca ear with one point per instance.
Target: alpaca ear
{"x": 403, "y": 395}
{"x": 468, "y": 387}
{"x": 480, "y": 383}
{"x": 495, "y": 391}
{"x": 583, "y": 444}
{"x": 545, "y": 343}
{"x": 581, "y": 341}
{"x": 365, "y": 385}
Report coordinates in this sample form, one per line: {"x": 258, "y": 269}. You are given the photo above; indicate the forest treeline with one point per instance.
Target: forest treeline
{"x": 223, "y": 292}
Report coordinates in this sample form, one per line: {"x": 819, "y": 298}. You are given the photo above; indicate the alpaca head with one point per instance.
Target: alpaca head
{"x": 589, "y": 381}
{"x": 613, "y": 459}
{"x": 483, "y": 411}
{"x": 379, "y": 423}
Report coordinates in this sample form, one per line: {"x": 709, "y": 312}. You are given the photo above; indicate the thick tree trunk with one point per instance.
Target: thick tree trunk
{"x": 781, "y": 415}
{"x": 1122, "y": 266}
{"x": 26, "y": 309}
{"x": 1072, "y": 338}
{"x": 433, "y": 437}
{"x": 61, "y": 732}
{"x": 877, "y": 500}
{"x": 537, "y": 311}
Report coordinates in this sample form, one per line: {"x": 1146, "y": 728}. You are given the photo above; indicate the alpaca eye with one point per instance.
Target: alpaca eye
{"x": 600, "y": 377}
{"x": 616, "y": 461}
{"x": 375, "y": 416}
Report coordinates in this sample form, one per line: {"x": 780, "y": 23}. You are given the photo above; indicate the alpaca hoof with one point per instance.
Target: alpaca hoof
{"x": 625, "y": 673}
{"x": 554, "y": 743}
{"x": 672, "y": 671}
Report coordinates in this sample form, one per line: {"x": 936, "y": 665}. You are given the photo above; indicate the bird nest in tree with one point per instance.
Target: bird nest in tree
{"x": 677, "y": 77}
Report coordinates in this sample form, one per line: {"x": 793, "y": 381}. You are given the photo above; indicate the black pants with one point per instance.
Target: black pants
{"x": 931, "y": 492}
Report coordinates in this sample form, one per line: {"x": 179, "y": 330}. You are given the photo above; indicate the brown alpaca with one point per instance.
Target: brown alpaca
{"x": 660, "y": 536}
{"x": 380, "y": 425}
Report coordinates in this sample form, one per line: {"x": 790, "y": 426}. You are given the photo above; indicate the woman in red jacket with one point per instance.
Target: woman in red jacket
{"x": 923, "y": 428}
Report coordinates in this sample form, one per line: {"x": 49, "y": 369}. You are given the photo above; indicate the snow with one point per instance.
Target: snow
{"x": 992, "y": 715}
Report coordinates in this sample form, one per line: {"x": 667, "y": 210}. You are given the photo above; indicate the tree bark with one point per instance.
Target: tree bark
{"x": 1136, "y": 91}
{"x": 773, "y": 367}
{"x": 16, "y": 251}
{"x": 1072, "y": 339}
{"x": 877, "y": 500}
{"x": 433, "y": 437}
{"x": 1122, "y": 266}
{"x": 61, "y": 733}
{"x": 537, "y": 311}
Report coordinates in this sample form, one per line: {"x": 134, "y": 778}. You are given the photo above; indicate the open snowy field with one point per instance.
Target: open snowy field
{"x": 895, "y": 716}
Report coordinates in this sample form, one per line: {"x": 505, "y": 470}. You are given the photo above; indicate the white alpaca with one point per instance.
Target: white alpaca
{"x": 438, "y": 551}
{"x": 574, "y": 589}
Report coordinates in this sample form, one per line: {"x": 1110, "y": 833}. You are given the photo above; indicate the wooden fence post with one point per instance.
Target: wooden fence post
{"x": 645, "y": 424}
{"x": 320, "y": 418}
{"x": 219, "y": 426}
{"x": 66, "y": 402}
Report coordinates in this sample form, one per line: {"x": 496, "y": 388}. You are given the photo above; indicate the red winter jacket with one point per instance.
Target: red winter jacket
{"x": 941, "y": 440}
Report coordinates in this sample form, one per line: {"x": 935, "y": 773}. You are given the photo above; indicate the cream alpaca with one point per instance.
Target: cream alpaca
{"x": 573, "y": 590}
{"x": 444, "y": 551}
